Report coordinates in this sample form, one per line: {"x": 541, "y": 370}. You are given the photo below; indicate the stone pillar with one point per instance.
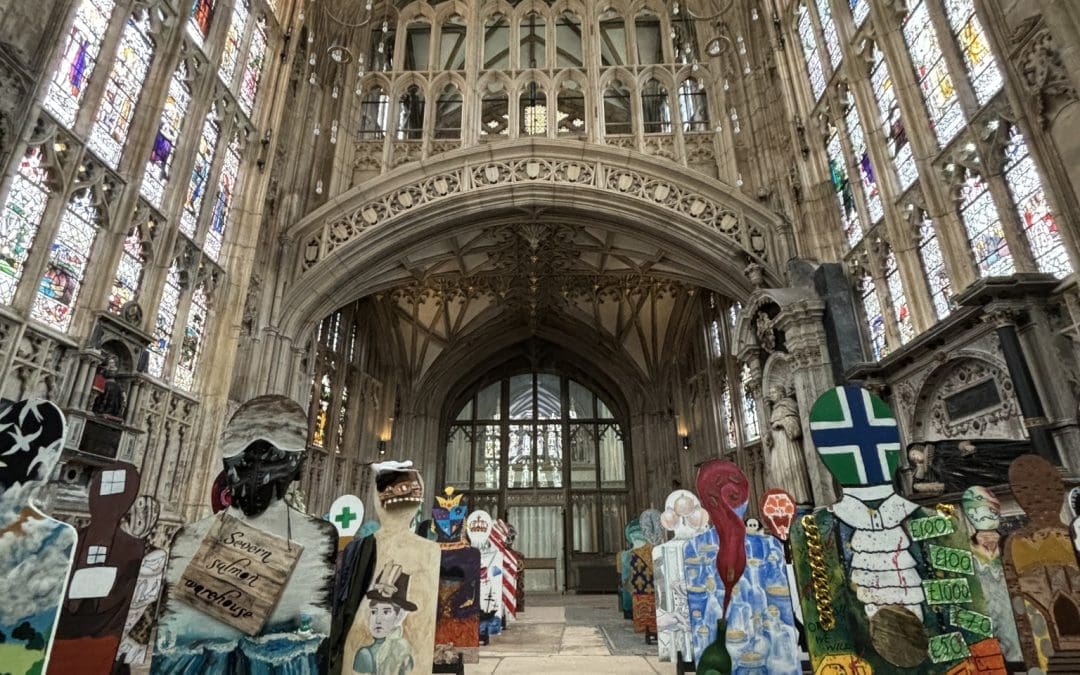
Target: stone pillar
{"x": 804, "y": 333}
{"x": 1027, "y": 395}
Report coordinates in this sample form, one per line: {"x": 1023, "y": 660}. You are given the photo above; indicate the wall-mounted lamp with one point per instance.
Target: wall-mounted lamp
{"x": 686, "y": 442}
{"x": 381, "y": 445}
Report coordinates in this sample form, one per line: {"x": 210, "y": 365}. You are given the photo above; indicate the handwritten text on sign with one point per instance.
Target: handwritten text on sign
{"x": 951, "y": 559}
{"x": 948, "y": 647}
{"x": 947, "y": 591}
{"x": 928, "y": 528}
{"x": 238, "y": 574}
{"x": 977, "y": 623}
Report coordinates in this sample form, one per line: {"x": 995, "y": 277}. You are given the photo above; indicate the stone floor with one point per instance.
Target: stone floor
{"x": 569, "y": 635}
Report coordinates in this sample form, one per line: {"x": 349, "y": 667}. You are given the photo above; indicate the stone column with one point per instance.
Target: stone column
{"x": 804, "y": 333}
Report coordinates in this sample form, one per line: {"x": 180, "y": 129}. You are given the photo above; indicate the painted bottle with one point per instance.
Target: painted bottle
{"x": 715, "y": 660}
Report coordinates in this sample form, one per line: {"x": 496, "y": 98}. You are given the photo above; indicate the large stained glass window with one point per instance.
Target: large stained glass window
{"x": 1038, "y": 222}
{"x": 875, "y": 320}
{"x": 200, "y": 173}
{"x": 983, "y": 71}
{"x": 191, "y": 346}
{"x": 866, "y": 167}
{"x": 893, "y": 121}
{"x": 156, "y": 176}
{"x": 984, "y": 231}
{"x": 68, "y": 255}
{"x": 860, "y": 9}
{"x": 810, "y": 52}
{"x": 751, "y": 428}
{"x": 932, "y": 74}
{"x": 129, "y": 273}
{"x": 230, "y": 54}
{"x": 109, "y": 134}
{"x": 849, "y": 213}
{"x": 202, "y": 13}
{"x": 828, "y": 28}
{"x": 19, "y": 222}
{"x": 68, "y": 86}
{"x": 729, "y": 416}
{"x": 249, "y": 87}
{"x": 898, "y": 298}
{"x": 165, "y": 324}
{"x": 219, "y": 219}
{"x": 933, "y": 264}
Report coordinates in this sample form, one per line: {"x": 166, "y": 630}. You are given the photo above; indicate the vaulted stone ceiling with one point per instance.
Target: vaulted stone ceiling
{"x": 609, "y": 286}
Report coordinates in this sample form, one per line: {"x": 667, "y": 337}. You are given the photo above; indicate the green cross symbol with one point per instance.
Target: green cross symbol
{"x": 345, "y": 517}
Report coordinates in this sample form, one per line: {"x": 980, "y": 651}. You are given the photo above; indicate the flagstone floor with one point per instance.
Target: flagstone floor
{"x": 569, "y": 635}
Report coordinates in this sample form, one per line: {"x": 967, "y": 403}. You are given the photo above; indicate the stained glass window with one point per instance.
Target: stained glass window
{"x": 810, "y": 52}
{"x": 984, "y": 231}
{"x": 249, "y": 87}
{"x": 933, "y": 264}
{"x": 165, "y": 323}
{"x": 122, "y": 90}
{"x": 156, "y": 176}
{"x": 866, "y": 168}
{"x": 318, "y": 433}
{"x": 68, "y": 255}
{"x": 749, "y": 412}
{"x": 932, "y": 74}
{"x": 129, "y": 273}
{"x": 860, "y": 9}
{"x": 1038, "y": 222}
{"x": 191, "y": 347}
{"x": 875, "y": 320}
{"x": 845, "y": 197}
{"x": 219, "y": 219}
{"x": 893, "y": 121}
{"x": 828, "y": 27}
{"x": 19, "y": 222}
{"x": 729, "y": 416}
{"x": 202, "y": 13}
{"x": 230, "y": 53}
{"x": 200, "y": 173}
{"x": 898, "y": 298}
{"x": 68, "y": 84}
{"x": 983, "y": 71}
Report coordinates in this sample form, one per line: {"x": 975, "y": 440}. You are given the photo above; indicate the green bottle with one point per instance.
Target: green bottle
{"x": 715, "y": 660}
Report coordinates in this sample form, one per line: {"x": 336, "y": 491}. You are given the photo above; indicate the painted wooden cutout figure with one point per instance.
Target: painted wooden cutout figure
{"x": 684, "y": 518}
{"x": 103, "y": 579}
{"x": 857, "y": 563}
{"x": 478, "y": 528}
{"x": 500, "y": 531}
{"x": 347, "y": 515}
{"x": 643, "y": 600}
{"x": 135, "y": 643}
{"x": 393, "y": 628}
{"x": 1042, "y": 568}
{"x": 263, "y": 449}
{"x": 634, "y": 538}
{"x": 457, "y": 626}
{"x": 982, "y": 512}
{"x": 35, "y": 550}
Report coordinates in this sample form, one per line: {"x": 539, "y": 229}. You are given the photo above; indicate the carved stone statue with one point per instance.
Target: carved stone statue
{"x": 785, "y": 463}
{"x": 923, "y": 472}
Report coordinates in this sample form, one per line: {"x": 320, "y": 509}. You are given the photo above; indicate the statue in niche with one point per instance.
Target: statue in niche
{"x": 263, "y": 448}
{"x": 1041, "y": 566}
{"x": 765, "y": 332}
{"x": 924, "y": 474}
{"x": 785, "y": 463}
{"x": 1072, "y": 509}
{"x": 111, "y": 401}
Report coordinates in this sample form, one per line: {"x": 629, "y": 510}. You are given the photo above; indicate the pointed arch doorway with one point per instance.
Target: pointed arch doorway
{"x": 547, "y": 452}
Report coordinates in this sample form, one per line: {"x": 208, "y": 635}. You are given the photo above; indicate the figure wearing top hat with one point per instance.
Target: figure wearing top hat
{"x": 388, "y": 604}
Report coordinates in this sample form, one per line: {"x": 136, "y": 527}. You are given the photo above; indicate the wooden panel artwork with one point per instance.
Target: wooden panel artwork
{"x": 238, "y": 574}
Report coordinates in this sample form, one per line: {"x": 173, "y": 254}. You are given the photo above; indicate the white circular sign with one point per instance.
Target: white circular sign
{"x": 347, "y": 513}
